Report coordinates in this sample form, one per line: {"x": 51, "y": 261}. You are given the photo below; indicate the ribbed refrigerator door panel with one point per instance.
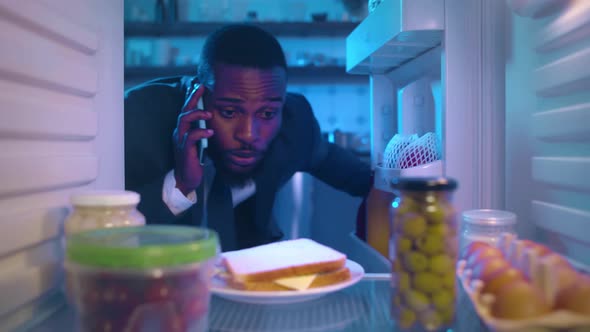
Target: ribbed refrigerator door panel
{"x": 548, "y": 125}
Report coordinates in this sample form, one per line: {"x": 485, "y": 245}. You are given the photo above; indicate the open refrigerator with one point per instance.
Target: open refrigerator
{"x": 505, "y": 87}
{"x": 504, "y": 84}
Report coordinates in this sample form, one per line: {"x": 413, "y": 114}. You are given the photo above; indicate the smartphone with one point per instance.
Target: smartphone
{"x": 203, "y": 143}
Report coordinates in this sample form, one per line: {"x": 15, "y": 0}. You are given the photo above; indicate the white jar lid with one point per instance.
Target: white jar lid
{"x": 487, "y": 217}
{"x": 105, "y": 198}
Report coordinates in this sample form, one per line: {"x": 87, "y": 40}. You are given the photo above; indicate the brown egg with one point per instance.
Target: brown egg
{"x": 482, "y": 254}
{"x": 483, "y": 270}
{"x": 565, "y": 274}
{"x": 501, "y": 279}
{"x": 576, "y": 297}
{"x": 566, "y": 277}
{"x": 562, "y": 261}
{"x": 471, "y": 248}
{"x": 541, "y": 249}
{"x": 557, "y": 260}
{"x": 519, "y": 300}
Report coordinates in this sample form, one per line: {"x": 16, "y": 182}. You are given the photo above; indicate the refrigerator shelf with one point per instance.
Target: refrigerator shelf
{"x": 202, "y": 29}
{"x": 397, "y": 32}
{"x": 567, "y": 75}
{"x": 568, "y": 28}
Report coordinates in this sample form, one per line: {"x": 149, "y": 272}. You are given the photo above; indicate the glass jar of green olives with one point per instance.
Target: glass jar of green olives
{"x": 423, "y": 251}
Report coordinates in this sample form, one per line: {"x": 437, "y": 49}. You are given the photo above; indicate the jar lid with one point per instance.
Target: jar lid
{"x": 142, "y": 247}
{"x": 423, "y": 184}
{"x": 488, "y": 217}
{"x": 105, "y": 198}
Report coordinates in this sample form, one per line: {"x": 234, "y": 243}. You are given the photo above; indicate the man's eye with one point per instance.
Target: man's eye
{"x": 227, "y": 113}
{"x": 267, "y": 115}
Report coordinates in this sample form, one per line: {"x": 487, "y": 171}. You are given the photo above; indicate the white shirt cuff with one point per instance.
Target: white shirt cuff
{"x": 174, "y": 198}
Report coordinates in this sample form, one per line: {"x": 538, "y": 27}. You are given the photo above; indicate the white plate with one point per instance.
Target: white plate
{"x": 220, "y": 288}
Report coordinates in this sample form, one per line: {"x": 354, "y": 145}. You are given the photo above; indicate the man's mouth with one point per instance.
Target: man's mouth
{"x": 243, "y": 158}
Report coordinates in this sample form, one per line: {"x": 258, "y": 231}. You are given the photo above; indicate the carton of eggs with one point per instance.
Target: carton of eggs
{"x": 520, "y": 285}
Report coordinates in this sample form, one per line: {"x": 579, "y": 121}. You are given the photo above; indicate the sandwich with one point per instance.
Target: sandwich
{"x": 287, "y": 265}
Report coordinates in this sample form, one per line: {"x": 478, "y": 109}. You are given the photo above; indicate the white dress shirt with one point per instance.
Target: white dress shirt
{"x": 178, "y": 203}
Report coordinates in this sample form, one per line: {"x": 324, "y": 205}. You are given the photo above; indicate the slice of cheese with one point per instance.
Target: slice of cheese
{"x": 296, "y": 283}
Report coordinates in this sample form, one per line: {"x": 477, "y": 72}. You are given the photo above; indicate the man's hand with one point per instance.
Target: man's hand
{"x": 188, "y": 171}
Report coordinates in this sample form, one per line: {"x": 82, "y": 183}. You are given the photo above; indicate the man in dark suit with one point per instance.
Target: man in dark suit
{"x": 259, "y": 136}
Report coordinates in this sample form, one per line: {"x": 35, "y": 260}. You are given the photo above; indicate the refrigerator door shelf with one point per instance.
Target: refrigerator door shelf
{"x": 395, "y": 33}
{"x": 531, "y": 8}
{"x": 383, "y": 176}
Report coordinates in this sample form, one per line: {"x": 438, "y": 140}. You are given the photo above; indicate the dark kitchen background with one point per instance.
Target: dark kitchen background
{"x": 164, "y": 38}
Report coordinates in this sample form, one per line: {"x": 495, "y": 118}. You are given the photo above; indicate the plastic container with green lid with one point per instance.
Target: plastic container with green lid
{"x": 153, "y": 277}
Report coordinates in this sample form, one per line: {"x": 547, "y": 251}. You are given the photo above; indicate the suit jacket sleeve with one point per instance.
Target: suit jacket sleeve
{"x": 150, "y": 118}
{"x": 330, "y": 163}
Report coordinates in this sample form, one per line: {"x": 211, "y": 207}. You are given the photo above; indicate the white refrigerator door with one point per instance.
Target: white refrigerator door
{"x": 61, "y": 130}
{"x": 548, "y": 123}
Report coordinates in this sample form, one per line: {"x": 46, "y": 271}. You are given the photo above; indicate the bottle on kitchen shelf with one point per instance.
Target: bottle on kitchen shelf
{"x": 378, "y": 207}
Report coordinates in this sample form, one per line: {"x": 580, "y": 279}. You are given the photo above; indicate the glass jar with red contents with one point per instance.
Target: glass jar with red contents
{"x": 146, "y": 278}
{"x": 423, "y": 252}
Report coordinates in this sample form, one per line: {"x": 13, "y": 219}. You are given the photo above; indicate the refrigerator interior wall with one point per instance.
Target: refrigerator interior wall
{"x": 472, "y": 87}
{"x": 395, "y": 45}
{"x": 416, "y": 106}
{"x": 403, "y": 43}
{"x": 61, "y": 130}
{"x": 548, "y": 123}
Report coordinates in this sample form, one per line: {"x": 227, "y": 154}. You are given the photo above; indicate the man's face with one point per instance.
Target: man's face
{"x": 247, "y": 105}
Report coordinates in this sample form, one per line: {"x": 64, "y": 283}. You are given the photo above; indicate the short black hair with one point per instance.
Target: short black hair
{"x": 239, "y": 44}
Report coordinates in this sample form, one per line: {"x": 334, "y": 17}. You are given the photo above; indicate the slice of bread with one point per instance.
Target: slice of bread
{"x": 282, "y": 260}
{"x": 320, "y": 280}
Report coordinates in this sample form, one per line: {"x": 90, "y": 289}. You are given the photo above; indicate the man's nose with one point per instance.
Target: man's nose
{"x": 247, "y": 131}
